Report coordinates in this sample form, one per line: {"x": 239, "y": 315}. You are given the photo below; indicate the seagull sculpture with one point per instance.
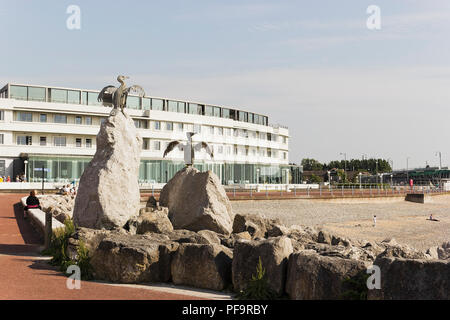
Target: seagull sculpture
{"x": 188, "y": 148}
{"x": 118, "y": 96}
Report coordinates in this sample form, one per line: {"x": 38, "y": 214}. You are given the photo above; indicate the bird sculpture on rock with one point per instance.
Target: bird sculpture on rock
{"x": 188, "y": 149}
{"x": 118, "y": 96}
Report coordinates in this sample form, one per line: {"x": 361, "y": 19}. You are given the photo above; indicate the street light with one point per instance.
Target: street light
{"x": 360, "y": 178}
{"x": 345, "y": 165}
{"x": 26, "y": 165}
{"x": 440, "y": 159}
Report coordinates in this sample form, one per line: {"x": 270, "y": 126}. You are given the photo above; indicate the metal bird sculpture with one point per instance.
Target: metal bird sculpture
{"x": 118, "y": 96}
{"x": 188, "y": 149}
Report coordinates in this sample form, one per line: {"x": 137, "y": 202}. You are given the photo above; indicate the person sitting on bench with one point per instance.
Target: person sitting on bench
{"x": 32, "y": 203}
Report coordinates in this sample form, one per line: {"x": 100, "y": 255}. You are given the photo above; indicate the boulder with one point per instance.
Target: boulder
{"x": 108, "y": 193}
{"x": 274, "y": 254}
{"x": 187, "y": 236}
{"x": 60, "y": 206}
{"x": 444, "y": 251}
{"x": 197, "y": 201}
{"x": 254, "y": 224}
{"x": 90, "y": 238}
{"x": 402, "y": 251}
{"x": 150, "y": 221}
{"x": 206, "y": 266}
{"x": 324, "y": 237}
{"x": 311, "y": 276}
{"x": 124, "y": 258}
{"x": 211, "y": 236}
{"x": 412, "y": 279}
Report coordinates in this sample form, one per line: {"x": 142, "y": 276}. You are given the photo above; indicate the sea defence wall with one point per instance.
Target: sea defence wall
{"x": 418, "y": 198}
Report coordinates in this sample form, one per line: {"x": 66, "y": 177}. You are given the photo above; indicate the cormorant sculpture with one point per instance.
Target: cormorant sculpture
{"x": 118, "y": 96}
{"x": 188, "y": 148}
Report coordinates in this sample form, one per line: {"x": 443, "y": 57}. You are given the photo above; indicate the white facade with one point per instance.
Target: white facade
{"x": 51, "y": 130}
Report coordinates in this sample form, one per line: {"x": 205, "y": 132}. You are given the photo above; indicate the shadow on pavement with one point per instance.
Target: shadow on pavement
{"x": 29, "y": 235}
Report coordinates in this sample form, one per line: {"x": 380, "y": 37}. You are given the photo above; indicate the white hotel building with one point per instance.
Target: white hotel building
{"x": 56, "y": 128}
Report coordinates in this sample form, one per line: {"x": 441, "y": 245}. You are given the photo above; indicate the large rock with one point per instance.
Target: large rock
{"x": 197, "y": 201}
{"x": 202, "y": 266}
{"x": 412, "y": 279}
{"x": 90, "y": 238}
{"x": 274, "y": 254}
{"x": 125, "y": 258}
{"x": 311, "y": 276}
{"x": 153, "y": 220}
{"x": 108, "y": 194}
{"x": 60, "y": 206}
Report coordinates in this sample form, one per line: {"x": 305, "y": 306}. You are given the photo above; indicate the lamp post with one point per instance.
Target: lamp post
{"x": 26, "y": 166}
{"x": 345, "y": 165}
{"x": 360, "y": 178}
{"x": 407, "y": 170}
{"x": 438, "y": 153}
{"x": 329, "y": 179}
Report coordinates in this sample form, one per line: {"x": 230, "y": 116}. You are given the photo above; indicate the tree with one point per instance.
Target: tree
{"x": 311, "y": 165}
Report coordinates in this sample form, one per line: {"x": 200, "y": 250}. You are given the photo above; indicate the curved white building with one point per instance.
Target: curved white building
{"x": 56, "y": 128}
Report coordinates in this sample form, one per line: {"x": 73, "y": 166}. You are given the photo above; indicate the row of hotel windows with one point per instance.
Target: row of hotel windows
{"x": 147, "y": 144}
{"x": 159, "y": 125}
{"x": 156, "y": 145}
{"x": 133, "y": 102}
{"x": 57, "y": 141}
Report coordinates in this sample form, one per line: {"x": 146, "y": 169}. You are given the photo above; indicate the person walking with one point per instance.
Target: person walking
{"x": 32, "y": 203}
{"x": 374, "y": 221}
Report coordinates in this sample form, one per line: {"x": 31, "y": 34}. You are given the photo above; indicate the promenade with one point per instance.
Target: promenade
{"x": 25, "y": 275}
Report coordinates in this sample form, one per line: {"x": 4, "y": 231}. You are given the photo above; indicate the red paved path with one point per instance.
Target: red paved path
{"x": 24, "y": 276}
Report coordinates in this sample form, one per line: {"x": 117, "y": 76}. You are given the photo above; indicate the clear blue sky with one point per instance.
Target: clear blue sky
{"x": 311, "y": 65}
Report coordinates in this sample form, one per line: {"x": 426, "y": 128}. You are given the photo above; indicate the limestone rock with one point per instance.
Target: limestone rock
{"x": 274, "y": 254}
{"x": 254, "y": 224}
{"x": 187, "y": 236}
{"x": 150, "y": 221}
{"x": 151, "y": 203}
{"x": 90, "y": 238}
{"x": 60, "y": 206}
{"x": 211, "y": 236}
{"x": 412, "y": 279}
{"x": 133, "y": 259}
{"x": 108, "y": 194}
{"x": 197, "y": 201}
{"x": 311, "y": 276}
{"x": 202, "y": 266}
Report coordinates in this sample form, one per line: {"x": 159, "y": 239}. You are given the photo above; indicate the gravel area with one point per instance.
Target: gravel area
{"x": 405, "y": 221}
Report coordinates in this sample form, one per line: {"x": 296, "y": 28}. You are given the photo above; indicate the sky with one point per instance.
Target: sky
{"x": 313, "y": 66}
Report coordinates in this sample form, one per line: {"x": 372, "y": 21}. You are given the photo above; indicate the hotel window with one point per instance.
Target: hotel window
{"x": 25, "y": 140}
{"x": 173, "y": 106}
{"x": 284, "y": 140}
{"x": 181, "y": 107}
{"x": 284, "y": 155}
{"x": 145, "y": 144}
{"x": 24, "y": 116}
{"x": 209, "y": 111}
{"x": 78, "y": 120}
{"x": 88, "y": 120}
{"x": 78, "y": 142}
{"x": 60, "y": 118}
{"x": 59, "y": 141}
{"x": 18, "y": 92}
{"x": 235, "y": 132}
{"x": 195, "y": 108}
{"x": 157, "y": 104}
{"x": 92, "y": 99}
{"x": 216, "y": 112}
{"x": 236, "y": 150}
{"x": 73, "y": 97}
{"x": 254, "y": 152}
{"x": 2, "y": 138}
{"x": 157, "y": 145}
{"x": 180, "y": 126}
{"x": 2, "y": 167}
{"x": 169, "y": 126}
{"x": 2, "y": 115}
{"x": 43, "y": 117}
{"x": 146, "y": 103}
{"x": 269, "y": 137}
{"x": 228, "y": 149}
{"x": 246, "y": 151}
{"x": 43, "y": 141}
{"x": 36, "y": 94}
{"x": 225, "y": 113}
{"x": 220, "y": 149}
{"x": 157, "y": 125}
{"x": 211, "y": 130}
{"x": 88, "y": 143}
{"x": 220, "y": 131}
{"x": 57, "y": 95}
{"x": 84, "y": 98}
{"x": 134, "y": 102}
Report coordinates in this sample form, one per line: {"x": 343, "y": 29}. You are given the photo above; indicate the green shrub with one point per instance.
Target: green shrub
{"x": 356, "y": 287}
{"x": 257, "y": 288}
{"x": 58, "y": 251}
